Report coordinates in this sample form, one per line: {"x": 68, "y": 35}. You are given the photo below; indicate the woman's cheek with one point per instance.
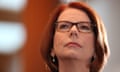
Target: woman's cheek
{"x": 58, "y": 41}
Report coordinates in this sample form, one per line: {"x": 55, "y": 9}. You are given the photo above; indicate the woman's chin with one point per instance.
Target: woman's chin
{"x": 70, "y": 55}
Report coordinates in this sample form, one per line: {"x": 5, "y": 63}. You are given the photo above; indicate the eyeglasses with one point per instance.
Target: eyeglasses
{"x": 83, "y": 26}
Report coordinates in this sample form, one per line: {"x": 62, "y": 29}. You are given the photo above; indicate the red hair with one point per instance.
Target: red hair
{"x": 101, "y": 45}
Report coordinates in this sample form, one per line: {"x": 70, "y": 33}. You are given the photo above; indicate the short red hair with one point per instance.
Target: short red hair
{"x": 101, "y": 45}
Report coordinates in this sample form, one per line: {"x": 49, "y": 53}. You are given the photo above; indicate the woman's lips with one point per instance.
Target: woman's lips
{"x": 73, "y": 44}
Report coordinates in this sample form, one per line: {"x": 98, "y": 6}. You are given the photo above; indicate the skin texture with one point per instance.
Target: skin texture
{"x": 73, "y": 58}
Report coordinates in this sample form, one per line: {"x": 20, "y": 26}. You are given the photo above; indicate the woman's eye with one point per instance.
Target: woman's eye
{"x": 84, "y": 27}
{"x": 64, "y": 26}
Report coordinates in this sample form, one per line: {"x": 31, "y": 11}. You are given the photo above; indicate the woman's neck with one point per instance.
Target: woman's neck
{"x": 73, "y": 66}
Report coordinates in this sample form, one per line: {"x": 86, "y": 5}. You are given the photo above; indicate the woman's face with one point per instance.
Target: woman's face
{"x": 73, "y": 44}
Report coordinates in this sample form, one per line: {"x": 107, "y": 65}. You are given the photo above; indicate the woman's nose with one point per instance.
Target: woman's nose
{"x": 73, "y": 33}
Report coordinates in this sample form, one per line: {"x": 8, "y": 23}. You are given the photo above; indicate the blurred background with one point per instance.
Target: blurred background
{"x": 21, "y": 25}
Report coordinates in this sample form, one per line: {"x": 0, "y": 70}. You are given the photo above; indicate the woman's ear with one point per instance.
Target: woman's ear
{"x": 53, "y": 55}
{"x": 52, "y": 52}
{"x": 93, "y": 57}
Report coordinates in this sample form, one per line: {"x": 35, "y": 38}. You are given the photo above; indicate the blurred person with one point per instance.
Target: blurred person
{"x": 75, "y": 40}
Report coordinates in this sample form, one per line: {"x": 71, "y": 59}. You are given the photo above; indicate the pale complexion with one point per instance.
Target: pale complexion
{"x": 73, "y": 58}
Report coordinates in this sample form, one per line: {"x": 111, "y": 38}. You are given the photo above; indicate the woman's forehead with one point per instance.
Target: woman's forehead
{"x": 72, "y": 14}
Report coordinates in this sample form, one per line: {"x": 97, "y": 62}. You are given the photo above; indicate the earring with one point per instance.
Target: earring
{"x": 93, "y": 58}
{"x": 53, "y": 59}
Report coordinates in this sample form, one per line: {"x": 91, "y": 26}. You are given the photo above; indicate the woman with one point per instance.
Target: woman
{"x": 75, "y": 40}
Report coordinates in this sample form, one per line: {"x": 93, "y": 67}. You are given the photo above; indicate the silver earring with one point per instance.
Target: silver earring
{"x": 53, "y": 59}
